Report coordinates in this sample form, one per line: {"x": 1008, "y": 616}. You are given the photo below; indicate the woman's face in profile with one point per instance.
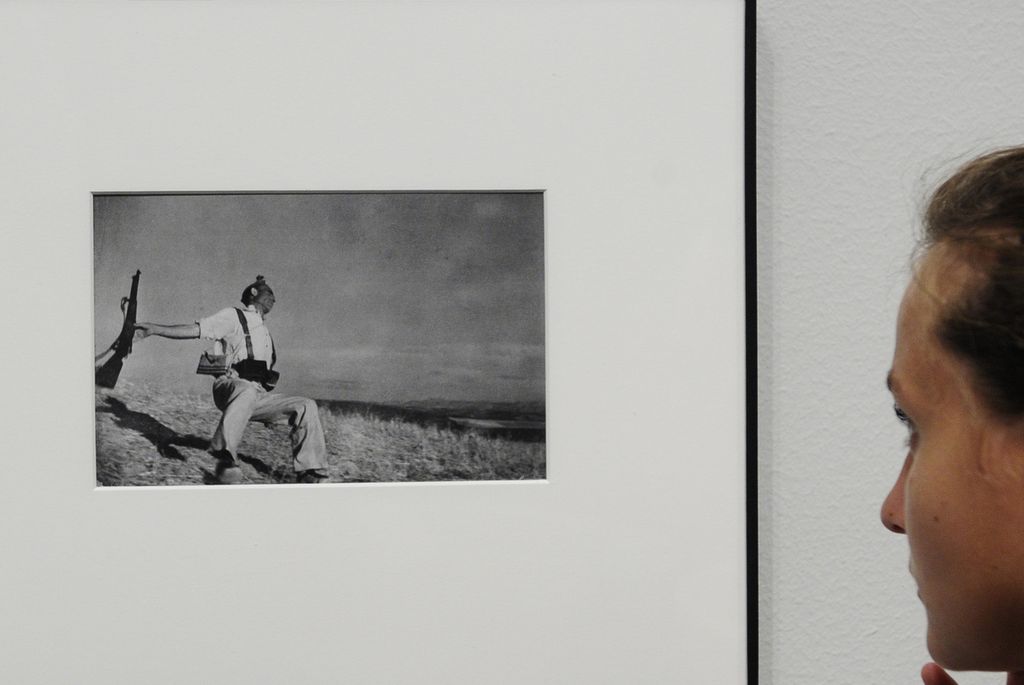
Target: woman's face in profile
{"x": 960, "y": 495}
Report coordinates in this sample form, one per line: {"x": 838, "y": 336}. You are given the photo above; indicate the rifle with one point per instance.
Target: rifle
{"x": 106, "y": 375}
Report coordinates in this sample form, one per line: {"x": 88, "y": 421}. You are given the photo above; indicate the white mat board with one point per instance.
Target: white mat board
{"x": 626, "y": 566}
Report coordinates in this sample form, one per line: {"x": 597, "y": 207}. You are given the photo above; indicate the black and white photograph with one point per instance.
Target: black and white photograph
{"x": 260, "y": 338}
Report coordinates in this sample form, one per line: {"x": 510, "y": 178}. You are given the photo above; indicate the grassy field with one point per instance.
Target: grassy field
{"x": 148, "y": 436}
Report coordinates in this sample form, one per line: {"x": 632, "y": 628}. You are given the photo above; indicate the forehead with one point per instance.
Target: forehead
{"x": 943, "y": 272}
{"x": 921, "y": 364}
{"x": 939, "y": 280}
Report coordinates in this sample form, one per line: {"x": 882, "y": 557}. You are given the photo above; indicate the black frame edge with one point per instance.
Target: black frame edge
{"x": 750, "y": 312}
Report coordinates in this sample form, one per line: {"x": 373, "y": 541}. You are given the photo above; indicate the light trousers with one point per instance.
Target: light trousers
{"x": 242, "y": 401}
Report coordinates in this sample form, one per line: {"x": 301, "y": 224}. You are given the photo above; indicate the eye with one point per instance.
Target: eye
{"x": 908, "y": 422}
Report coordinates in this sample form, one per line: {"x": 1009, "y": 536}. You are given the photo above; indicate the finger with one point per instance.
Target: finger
{"x": 932, "y": 674}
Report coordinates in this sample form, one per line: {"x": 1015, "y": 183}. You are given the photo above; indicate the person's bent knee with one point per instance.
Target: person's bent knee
{"x": 308, "y": 411}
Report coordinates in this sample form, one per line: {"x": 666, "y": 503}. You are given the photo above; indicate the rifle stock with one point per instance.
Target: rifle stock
{"x": 106, "y": 375}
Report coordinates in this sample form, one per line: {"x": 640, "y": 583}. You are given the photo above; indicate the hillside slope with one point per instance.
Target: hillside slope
{"x": 146, "y": 435}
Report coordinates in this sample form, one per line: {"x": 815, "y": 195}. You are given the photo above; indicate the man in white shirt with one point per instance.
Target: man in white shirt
{"x": 241, "y": 391}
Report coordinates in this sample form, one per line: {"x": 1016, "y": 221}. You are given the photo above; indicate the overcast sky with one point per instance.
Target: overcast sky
{"x": 380, "y": 296}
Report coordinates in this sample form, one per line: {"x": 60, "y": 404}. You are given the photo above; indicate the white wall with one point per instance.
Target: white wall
{"x": 860, "y": 104}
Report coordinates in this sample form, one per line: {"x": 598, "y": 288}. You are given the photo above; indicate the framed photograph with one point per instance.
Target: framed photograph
{"x": 495, "y": 252}
{"x": 413, "y": 320}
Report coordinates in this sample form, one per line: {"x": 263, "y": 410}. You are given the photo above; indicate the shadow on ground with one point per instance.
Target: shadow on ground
{"x": 165, "y": 439}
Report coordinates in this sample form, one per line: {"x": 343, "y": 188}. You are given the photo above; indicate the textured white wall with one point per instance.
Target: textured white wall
{"x": 860, "y": 105}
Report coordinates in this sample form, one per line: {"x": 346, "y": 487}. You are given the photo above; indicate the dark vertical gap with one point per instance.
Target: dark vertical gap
{"x": 750, "y": 291}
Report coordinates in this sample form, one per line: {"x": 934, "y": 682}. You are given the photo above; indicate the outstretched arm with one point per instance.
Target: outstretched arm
{"x": 181, "y": 331}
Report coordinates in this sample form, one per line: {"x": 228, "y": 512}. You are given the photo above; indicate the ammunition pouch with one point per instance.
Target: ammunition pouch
{"x": 256, "y": 370}
{"x": 212, "y": 364}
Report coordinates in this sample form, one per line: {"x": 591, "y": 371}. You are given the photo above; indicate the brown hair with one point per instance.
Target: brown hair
{"x": 980, "y": 210}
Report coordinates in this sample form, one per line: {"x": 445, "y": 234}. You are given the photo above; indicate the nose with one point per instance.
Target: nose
{"x": 894, "y": 506}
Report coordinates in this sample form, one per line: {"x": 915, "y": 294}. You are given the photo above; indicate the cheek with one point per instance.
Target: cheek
{"x": 931, "y": 527}
{"x": 970, "y": 586}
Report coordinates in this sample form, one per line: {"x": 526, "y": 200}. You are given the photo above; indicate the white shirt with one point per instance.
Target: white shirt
{"x": 224, "y": 328}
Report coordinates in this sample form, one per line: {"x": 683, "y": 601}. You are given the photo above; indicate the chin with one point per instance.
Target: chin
{"x": 952, "y": 657}
{"x": 969, "y": 653}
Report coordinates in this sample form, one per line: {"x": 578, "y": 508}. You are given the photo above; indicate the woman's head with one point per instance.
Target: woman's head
{"x": 958, "y": 381}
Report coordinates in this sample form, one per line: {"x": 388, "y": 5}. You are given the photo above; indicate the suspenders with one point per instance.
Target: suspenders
{"x": 248, "y": 339}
